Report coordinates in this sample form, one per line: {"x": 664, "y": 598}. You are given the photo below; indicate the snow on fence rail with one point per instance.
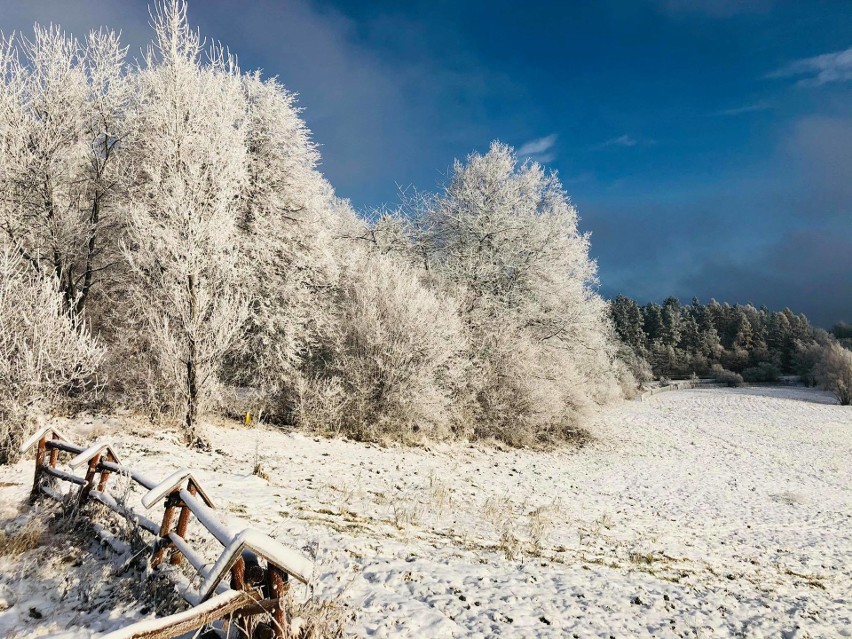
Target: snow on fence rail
{"x": 258, "y": 567}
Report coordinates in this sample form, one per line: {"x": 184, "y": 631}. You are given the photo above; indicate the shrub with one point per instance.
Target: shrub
{"x": 805, "y": 361}
{"x": 46, "y": 354}
{"x": 523, "y": 392}
{"x": 763, "y": 372}
{"x": 392, "y": 367}
{"x": 636, "y": 364}
{"x": 833, "y": 371}
{"x": 724, "y": 376}
{"x": 626, "y": 380}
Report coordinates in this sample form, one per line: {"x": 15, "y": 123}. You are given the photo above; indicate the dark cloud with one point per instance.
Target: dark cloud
{"x": 807, "y": 270}
{"x": 645, "y": 245}
{"x": 820, "y": 150}
{"x": 781, "y": 238}
{"x": 79, "y": 18}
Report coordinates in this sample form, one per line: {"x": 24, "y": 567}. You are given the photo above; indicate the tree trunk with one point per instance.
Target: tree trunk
{"x": 190, "y": 423}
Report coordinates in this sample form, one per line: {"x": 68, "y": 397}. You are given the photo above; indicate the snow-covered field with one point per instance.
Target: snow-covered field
{"x": 698, "y": 513}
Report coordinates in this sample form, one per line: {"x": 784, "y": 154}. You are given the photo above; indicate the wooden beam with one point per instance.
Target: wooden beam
{"x": 215, "y": 608}
{"x": 47, "y": 433}
{"x": 182, "y": 525}
{"x": 90, "y": 478}
{"x": 61, "y": 474}
{"x": 58, "y": 444}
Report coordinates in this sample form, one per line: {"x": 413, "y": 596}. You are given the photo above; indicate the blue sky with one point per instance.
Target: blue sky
{"x": 706, "y": 143}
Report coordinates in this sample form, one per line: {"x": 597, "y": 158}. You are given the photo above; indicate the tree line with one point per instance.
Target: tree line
{"x": 168, "y": 245}
{"x": 735, "y": 344}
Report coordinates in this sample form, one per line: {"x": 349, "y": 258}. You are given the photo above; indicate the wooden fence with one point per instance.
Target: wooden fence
{"x": 241, "y": 594}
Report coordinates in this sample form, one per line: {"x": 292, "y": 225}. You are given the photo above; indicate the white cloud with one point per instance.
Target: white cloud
{"x": 820, "y": 69}
{"x": 626, "y": 141}
{"x": 747, "y": 108}
{"x": 622, "y": 140}
{"x": 539, "y": 150}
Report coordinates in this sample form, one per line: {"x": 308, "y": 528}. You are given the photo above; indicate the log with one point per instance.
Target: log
{"x": 103, "y": 482}
{"x": 238, "y": 574}
{"x": 143, "y": 480}
{"x": 127, "y": 512}
{"x": 238, "y": 582}
{"x": 183, "y": 523}
{"x": 182, "y": 547}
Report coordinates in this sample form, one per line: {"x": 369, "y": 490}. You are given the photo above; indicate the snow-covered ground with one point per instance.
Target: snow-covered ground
{"x": 698, "y": 513}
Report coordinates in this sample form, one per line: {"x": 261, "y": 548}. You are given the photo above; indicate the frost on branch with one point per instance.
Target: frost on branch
{"x": 395, "y": 363}
{"x": 179, "y": 206}
{"x": 285, "y": 220}
{"x": 46, "y": 353}
{"x": 833, "y": 371}
{"x": 503, "y": 239}
{"x": 182, "y": 246}
{"x": 62, "y": 106}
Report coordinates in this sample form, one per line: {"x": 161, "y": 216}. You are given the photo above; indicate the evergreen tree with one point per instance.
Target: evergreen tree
{"x": 652, "y": 322}
{"x": 627, "y": 317}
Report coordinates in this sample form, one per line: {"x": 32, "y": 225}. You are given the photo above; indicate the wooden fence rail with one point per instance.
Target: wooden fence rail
{"x": 243, "y": 591}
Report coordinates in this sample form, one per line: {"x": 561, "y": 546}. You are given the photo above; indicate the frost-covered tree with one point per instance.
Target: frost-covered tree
{"x": 687, "y": 339}
{"x": 843, "y": 332}
{"x": 286, "y": 220}
{"x": 62, "y": 107}
{"x": 833, "y": 371}
{"x": 503, "y": 238}
{"x": 743, "y": 332}
{"x": 46, "y": 352}
{"x": 189, "y": 157}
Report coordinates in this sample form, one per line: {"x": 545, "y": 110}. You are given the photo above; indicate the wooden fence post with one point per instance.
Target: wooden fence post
{"x": 103, "y": 480}
{"x": 86, "y": 488}
{"x": 238, "y": 582}
{"x": 54, "y": 457}
{"x": 277, "y": 582}
{"x": 92, "y": 457}
{"x": 183, "y": 523}
{"x": 165, "y": 528}
{"x": 39, "y": 460}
